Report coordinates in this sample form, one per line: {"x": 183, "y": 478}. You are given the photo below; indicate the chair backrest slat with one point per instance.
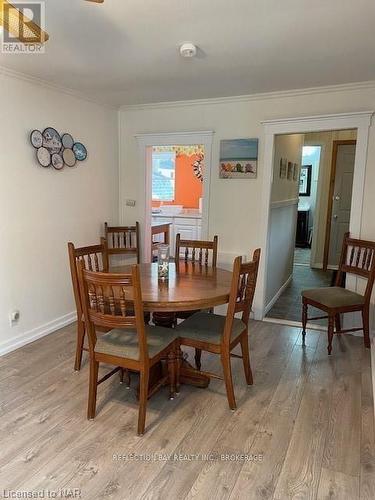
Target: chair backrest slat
{"x": 92, "y": 257}
{"x": 358, "y": 257}
{"x": 195, "y": 251}
{"x": 113, "y": 301}
{"x": 243, "y": 286}
{"x": 123, "y": 240}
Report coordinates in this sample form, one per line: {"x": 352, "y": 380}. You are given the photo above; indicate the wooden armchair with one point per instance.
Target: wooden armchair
{"x": 94, "y": 258}
{"x": 123, "y": 240}
{"x": 200, "y": 253}
{"x": 357, "y": 257}
{"x": 129, "y": 344}
{"x": 220, "y": 334}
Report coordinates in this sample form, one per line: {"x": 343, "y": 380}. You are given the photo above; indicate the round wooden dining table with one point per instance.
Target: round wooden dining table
{"x": 190, "y": 287}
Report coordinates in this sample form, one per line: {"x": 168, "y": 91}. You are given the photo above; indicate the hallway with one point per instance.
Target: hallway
{"x": 289, "y": 305}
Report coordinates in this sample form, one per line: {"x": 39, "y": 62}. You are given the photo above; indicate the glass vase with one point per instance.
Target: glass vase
{"x": 163, "y": 262}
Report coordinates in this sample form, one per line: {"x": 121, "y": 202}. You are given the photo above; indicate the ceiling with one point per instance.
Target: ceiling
{"x": 126, "y": 51}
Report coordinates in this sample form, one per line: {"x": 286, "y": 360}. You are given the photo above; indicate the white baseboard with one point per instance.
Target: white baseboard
{"x": 36, "y": 333}
{"x": 277, "y": 295}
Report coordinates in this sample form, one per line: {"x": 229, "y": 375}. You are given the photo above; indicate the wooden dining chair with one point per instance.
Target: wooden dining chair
{"x": 203, "y": 253}
{"x": 198, "y": 252}
{"x": 94, "y": 258}
{"x": 358, "y": 258}
{"x": 220, "y": 334}
{"x": 129, "y": 344}
{"x": 123, "y": 240}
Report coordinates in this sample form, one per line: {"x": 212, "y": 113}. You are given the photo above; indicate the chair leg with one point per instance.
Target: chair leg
{"x": 171, "y": 361}
{"x": 143, "y": 395}
{"x": 246, "y": 359}
{"x": 178, "y": 368}
{"x": 331, "y": 323}
{"x": 125, "y": 376}
{"x": 366, "y": 326}
{"x": 79, "y": 347}
{"x": 304, "y": 320}
{"x": 197, "y": 357}
{"x": 225, "y": 360}
{"x": 93, "y": 388}
{"x": 338, "y": 322}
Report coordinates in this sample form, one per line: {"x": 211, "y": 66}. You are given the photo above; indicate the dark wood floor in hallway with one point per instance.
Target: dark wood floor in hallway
{"x": 305, "y": 429}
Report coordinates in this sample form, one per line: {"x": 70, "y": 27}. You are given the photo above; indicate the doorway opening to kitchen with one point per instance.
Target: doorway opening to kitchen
{"x": 310, "y": 212}
{"x": 177, "y": 193}
{"x": 176, "y": 184}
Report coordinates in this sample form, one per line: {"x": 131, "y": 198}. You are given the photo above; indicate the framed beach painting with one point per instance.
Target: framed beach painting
{"x": 238, "y": 158}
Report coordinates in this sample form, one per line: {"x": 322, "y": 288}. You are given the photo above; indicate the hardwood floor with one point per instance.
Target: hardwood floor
{"x": 306, "y": 426}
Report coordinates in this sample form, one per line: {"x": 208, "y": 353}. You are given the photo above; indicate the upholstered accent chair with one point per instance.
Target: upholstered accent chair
{"x": 358, "y": 258}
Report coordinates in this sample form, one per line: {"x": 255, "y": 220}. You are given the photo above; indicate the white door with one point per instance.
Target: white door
{"x": 342, "y": 200}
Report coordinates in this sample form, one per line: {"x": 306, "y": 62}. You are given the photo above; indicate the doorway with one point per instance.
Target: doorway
{"x": 323, "y": 196}
{"x": 147, "y": 143}
{"x": 176, "y": 198}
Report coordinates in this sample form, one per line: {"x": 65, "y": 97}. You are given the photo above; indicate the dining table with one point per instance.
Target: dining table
{"x": 189, "y": 287}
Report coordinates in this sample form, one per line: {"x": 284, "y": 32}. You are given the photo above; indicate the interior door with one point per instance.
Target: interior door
{"x": 341, "y": 200}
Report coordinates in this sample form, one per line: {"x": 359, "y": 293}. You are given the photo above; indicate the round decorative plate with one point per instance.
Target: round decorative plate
{"x": 57, "y": 161}
{"x": 80, "y": 151}
{"x": 36, "y": 138}
{"x": 69, "y": 157}
{"x": 67, "y": 141}
{"x": 44, "y": 157}
{"x": 52, "y": 140}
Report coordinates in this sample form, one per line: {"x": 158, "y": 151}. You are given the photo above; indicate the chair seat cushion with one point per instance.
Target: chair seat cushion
{"x": 124, "y": 342}
{"x": 207, "y": 327}
{"x": 334, "y": 297}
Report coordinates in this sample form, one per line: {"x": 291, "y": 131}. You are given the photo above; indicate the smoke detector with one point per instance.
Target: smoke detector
{"x": 188, "y": 50}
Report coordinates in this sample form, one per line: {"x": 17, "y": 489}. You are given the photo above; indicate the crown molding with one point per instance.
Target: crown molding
{"x": 253, "y": 97}
{"x": 39, "y": 82}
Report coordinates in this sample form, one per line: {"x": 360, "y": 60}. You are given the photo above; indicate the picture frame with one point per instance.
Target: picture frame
{"x": 295, "y": 171}
{"x": 305, "y": 180}
{"x": 238, "y": 158}
{"x": 283, "y": 168}
{"x": 290, "y": 171}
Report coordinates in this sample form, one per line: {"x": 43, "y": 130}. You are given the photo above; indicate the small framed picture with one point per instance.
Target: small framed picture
{"x": 283, "y": 167}
{"x": 295, "y": 171}
{"x": 290, "y": 171}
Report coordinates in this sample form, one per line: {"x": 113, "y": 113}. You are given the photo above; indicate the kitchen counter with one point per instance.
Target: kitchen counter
{"x": 186, "y": 213}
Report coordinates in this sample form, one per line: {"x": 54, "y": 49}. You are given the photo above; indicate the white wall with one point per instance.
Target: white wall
{"x": 234, "y": 204}
{"x": 42, "y": 209}
{"x": 283, "y": 217}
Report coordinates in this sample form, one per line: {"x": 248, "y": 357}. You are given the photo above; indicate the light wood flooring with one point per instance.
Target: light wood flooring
{"x": 307, "y": 426}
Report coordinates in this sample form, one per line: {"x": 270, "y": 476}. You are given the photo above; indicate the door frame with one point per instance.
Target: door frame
{"x": 145, "y": 187}
{"x": 332, "y": 179}
{"x": 359, "y": 120}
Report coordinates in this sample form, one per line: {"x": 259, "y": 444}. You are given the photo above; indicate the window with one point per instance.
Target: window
{"x": 163, "y": 176}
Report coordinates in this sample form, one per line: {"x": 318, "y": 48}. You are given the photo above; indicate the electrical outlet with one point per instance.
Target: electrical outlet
{"x": 14, "y": 316}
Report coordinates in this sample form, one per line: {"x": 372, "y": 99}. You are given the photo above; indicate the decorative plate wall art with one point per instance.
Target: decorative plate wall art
{"x": 55, "y": 150}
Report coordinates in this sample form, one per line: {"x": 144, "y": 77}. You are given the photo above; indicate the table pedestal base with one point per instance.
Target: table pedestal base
{"x": 188, "y": 374}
